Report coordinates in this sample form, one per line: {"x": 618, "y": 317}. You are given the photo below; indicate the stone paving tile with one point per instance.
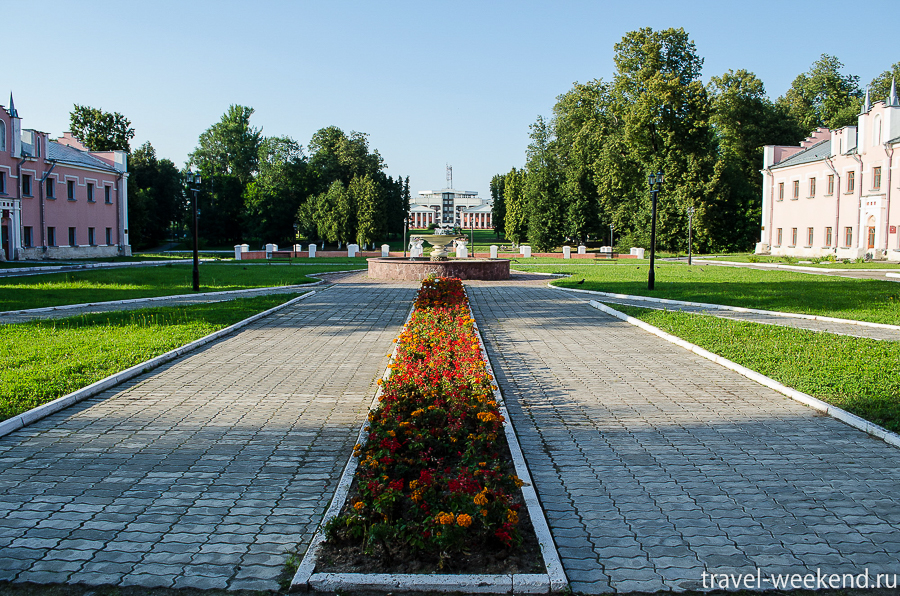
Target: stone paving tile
{"x": 671, "y": 465}
{"x": 221, "y": 462}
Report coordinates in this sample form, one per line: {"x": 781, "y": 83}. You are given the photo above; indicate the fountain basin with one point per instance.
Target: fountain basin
{"x": 398, "y": 268}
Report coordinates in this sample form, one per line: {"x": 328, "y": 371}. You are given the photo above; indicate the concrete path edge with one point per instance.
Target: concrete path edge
{"x": 776, "y": 313}
{"x": 840, "y": 414}
{"x": 33, "y": 415}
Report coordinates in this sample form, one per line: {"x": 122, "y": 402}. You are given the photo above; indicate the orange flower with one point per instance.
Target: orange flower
{"x": 464, "y": 520}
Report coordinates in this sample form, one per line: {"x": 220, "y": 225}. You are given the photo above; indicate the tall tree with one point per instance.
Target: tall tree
{"x": 100, "y": 131}
{"x": 880, "y": 87}
{"x": 273, "y": 197}
{"x": 516, "y": 209}
{"x": 823, "y": 96}
{"x": 546, "y": 211}
{"x": 227, "y": 155}
{"x": 369, "y": 216}
{"x": 156, "y": 197}
{"x": 498, "y": 204}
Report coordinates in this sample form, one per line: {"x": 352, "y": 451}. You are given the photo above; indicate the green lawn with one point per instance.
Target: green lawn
{"x": 78, "y": 287}
{"x": 44, "y": 360}
{"x": 800, "y": 261}
{"x": 855, "y": 374}
{"x": 863, "y": 300}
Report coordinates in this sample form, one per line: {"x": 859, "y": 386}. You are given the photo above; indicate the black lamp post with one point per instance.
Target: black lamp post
{"x": 193, "y": 181}
{"x": 690, "y": 233}
{"x": 611, "y": 228}
{"x": 655, "y": 186}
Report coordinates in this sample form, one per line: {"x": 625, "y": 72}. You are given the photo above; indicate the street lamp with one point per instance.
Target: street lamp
{"x": 611, "y": 228}
{"x": 655, "y": 186}
{"x": 690, "y": 233}
{"x": 193, "y": 181}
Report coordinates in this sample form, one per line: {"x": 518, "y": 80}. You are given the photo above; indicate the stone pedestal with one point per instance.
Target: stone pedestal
{"x": 385, "y": 250}
{"x": 298, "y": 248}
{"x": 461, "y": 251}
{"x": 352, "y": 249}
{"x": 312, "y": 250}
{"x": 494, "y": 250}
{"x": 582, "y": 250}
{"x": 237, "y": 252}
{"x": 526, "y": 251}
{"x": 637, "y": 252}
{"x": 270, "y": 248}
{"x": 567, "y": 252}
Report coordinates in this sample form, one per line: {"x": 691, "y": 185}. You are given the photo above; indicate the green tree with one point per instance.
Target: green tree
{"x": 880, "y": 87}
{"x": 100, "y": 131}
{"x": 275, "y": 194}
{"x": 335, "y": 155}
{"x": 498, "y": 204}
{"x": 369, "y": 216}
{"x": 516, "y": 209}
{"x": 823, "y": 96}
{"x": 155, "y": 197}
{"x": 227, "y": 156}
{"x": 546, "y": 211}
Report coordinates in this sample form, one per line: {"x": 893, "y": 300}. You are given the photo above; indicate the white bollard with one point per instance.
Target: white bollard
{"x": 298, "y": 248}
{"x": 352, "y": 249}
{"x": 526, "y": 251}
{"x": 461, "y": 251}
{"x": 385, "y": 250}
{"x": 567, "y": 252}
{"x": 494, "y": 249}
{"x": 237, "y": 252}
{"x": 270, "y": 248}
{"x": 312, "y": 251}
{"x": 582, "y": 250}
{"x": 638, "y": 252}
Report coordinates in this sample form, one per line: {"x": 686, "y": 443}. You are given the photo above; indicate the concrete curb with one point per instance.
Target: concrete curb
{"x": 892, "y": 274}
{"x": 42, "y": 411}
{"x": 775, "y": 313}
{"x": 817, "y": 404}
{"x": 520, "y": 583}
{"x": 156, "y": 299}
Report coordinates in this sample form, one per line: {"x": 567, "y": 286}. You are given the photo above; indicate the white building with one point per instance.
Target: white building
{"x": 450, "y": 207}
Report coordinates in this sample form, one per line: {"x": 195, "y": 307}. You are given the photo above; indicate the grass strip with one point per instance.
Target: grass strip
{"x": 44, "y": 360}
{"x": 77, "y": 287}
{"x": 855, "y": 374}
{"x": 858, "y": 299}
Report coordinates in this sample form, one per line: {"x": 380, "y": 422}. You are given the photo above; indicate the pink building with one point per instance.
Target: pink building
{"x": 832, "y": 194}
{"x": 59, "y": 200}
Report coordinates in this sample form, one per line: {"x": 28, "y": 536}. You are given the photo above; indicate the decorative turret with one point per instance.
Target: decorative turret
{"x": 867, "y": 105}
{"x": 892, "y": 99}
{"x": 16, "y": 126}
{"x": 12, "y": 107}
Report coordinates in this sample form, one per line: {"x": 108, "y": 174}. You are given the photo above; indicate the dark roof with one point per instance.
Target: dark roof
{"x": 815, "y": 153}
{"x": 73, "y": 156}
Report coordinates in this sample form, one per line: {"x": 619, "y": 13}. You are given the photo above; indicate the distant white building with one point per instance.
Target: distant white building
{"x": 450, "y": 207}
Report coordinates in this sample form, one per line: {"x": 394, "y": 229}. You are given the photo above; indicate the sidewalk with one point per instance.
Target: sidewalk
{"x": 206, "y": 472}
{"x": 655, "y": 465}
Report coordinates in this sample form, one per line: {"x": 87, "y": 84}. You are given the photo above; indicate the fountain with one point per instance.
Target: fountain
{"x": 439, "y": 263}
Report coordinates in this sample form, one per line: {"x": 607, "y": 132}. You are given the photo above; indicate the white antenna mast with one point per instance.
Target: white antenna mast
{"x": 449, "y": 176}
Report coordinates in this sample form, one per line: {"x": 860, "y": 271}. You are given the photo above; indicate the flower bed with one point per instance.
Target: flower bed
{"x": 434, "y": 480}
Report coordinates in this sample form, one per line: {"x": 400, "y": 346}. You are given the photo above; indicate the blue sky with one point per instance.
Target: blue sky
{"x": 431, "y": 83}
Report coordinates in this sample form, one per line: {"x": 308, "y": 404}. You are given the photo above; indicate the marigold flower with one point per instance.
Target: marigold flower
{"x": 480, "y": 499}
{"x": 359, "y": 505}
{"x": 512, "y": 517}
{"x": 464, "y": 520}
{"x": 484, "y": 512}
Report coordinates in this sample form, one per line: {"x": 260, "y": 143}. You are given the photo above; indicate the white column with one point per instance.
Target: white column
{"x": 352, "y": 249}
{"x": 312, "y": 251}
{"x": 582, "y": 249}
{"x": 567, "y": 252}
{"x": 237, "y": 252}
{"x": 494, "y": 249}
{"x": 385, "y": 250}
{"x": 526, "y": 250}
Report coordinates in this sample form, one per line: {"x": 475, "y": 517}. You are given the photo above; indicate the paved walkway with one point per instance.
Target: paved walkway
{"x": 208, "y": 470}
{"x": 655, "y": 465}
{"x": 764, "y": 317}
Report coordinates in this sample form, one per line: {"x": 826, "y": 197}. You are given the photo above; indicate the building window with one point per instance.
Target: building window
{"x": 796, "y": 189}
{"x": 828, "y": 237}
{"x": 876, "y": 178}
{"x": 848, "y": 237}
{"x": 781, "y": 191}
{"x": 27, "y": 239}
{"x": 90, "y": 192}
{"x": 91, "y": 237}
{"x": 50, "y": 186}
{"x": 809, "y": 237}
{"x": 70, "y": 190}
{"x": 831, "y": 184}
{"x": 778, "y": 237}
{"x": 812, "y": 187}
{"x": 2, "y": 136}
{"x": 851, "y": 181}
{"x": 793, "y": 236}
{"x": 871, "y": 237}
{"x": 26, "y": 185}
{"x": 3, "y": 183}
{"x": 108, "y": 236}
{"x": 72, "y": 239}
{"x": 106, "y": 193}
{"x": 51, "y": 236}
